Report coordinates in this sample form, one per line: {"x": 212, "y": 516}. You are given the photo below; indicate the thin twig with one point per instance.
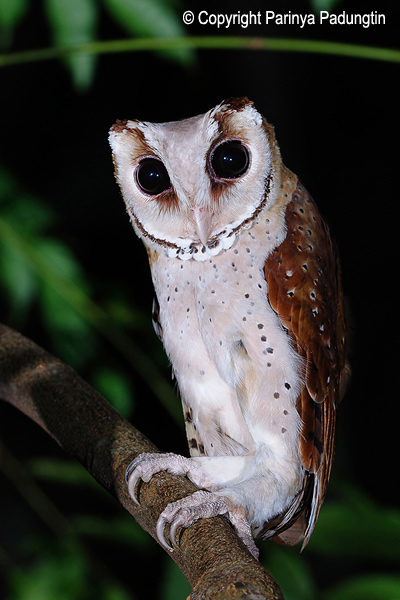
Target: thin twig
{"x": 205, "y": 43}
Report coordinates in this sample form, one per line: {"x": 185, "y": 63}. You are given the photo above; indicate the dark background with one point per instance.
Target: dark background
{"x": 336, "y": 121}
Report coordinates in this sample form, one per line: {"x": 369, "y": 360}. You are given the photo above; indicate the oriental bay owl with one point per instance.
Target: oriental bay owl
{"x": 249, "y": 308}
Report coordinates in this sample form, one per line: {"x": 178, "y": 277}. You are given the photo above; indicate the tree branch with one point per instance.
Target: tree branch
{"x": 88, "y": 428}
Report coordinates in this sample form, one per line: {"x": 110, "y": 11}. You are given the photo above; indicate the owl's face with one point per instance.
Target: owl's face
{"x": 191, "y": 186}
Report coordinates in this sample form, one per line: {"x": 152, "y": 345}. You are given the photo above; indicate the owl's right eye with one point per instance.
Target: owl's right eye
{"x": 152, "y": 177}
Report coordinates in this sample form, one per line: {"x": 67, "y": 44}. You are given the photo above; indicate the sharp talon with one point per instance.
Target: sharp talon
{"x": 132, "y": 479}
{"x": 161, "y": 523}
{"x": 129, "y": 470}
{"x": 172, "y": 533}
{"x": 131, "y": 488}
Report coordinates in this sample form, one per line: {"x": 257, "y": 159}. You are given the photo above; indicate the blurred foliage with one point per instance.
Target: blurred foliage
{"x": 73, "y": 22}
{"x": 372, "y": 532}
{"x": 11, "y": 14}
{"x": 369, "y": 587}
{"x": 39, "y": 273}
{"x": 329, "y": 5}
{"x": 63, "y": 572}
{"x": 353, "y": 528}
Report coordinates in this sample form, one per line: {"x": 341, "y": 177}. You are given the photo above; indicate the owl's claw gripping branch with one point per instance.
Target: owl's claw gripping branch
{"x": 148, "y": 464}
{"x": 199, "y": 505}
{"x": 203, "y": 505}
{"x": 131, "y": 478}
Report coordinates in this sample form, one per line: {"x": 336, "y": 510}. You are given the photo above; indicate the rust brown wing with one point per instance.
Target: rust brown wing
{"x": 304, "y": 289}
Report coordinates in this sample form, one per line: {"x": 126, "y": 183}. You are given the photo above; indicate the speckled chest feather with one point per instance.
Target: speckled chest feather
{"x": 237, "y": 372}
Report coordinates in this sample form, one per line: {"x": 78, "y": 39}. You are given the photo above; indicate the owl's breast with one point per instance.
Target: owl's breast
{"x": 226, "y": 344}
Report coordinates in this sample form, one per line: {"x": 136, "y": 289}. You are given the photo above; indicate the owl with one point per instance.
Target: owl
{"x": 248, "y": 304}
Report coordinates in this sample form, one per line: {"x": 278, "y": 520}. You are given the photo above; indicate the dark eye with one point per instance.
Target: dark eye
{"x": 152, "y": 176}
{"x": 230, "y": 160}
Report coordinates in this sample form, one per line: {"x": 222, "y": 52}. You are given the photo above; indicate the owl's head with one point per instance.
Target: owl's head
{"x": 191, "y": 186}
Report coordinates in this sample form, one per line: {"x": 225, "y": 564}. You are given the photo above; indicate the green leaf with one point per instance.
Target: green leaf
{"x": 57, "y": 573}
{"x": 116, "y": 388}
{"x": 113, "y": 591}
{"x": 127, "y": 316}
{"x": 11, "y": 13}
{"x": 64, "y": 298}
{"x": 19, "y": 280}
{"x": 120, "y": 529}
{"x": 25, "y": 211}
{"x": 60, "y": 259}
{"x": 7, "y": 184}
{"x": 151, "y": 18}
{"x": 67, "y": 472}
{"x": 175, "y": 585}
{"x": 328, "y": 5}
{"x": 354, "y": 526}
{"x": 64, "y": 571}
{"x": 291, "y": 571}
{"x": 29, "y": 213}
{"x": 75, "y": 22}
{"x": 368, "y": 587}
{"x": 71, "y": 334}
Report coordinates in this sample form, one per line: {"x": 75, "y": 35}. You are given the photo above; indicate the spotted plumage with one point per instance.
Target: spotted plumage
{"x": 249, "y": 308}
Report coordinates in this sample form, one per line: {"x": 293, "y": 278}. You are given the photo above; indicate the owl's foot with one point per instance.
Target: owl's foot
{"x": 204, "y": 505}
{"x": 148, "y": 464}
{"x": 184, "y": 512}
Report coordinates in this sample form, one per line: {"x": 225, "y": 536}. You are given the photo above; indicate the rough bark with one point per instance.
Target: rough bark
{"x": 88, "y": 428}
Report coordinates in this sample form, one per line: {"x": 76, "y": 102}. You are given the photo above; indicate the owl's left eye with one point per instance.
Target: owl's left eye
{"x": 152, "y": 177}
{"x": 230, "y": 160}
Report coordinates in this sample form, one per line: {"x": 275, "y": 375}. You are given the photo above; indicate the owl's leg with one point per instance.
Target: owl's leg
{"x": 211, "y": 473}
{"x": 201, "y": 504}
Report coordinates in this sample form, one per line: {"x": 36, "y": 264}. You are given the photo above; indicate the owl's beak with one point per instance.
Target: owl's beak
{"x": 202, "y": 219}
